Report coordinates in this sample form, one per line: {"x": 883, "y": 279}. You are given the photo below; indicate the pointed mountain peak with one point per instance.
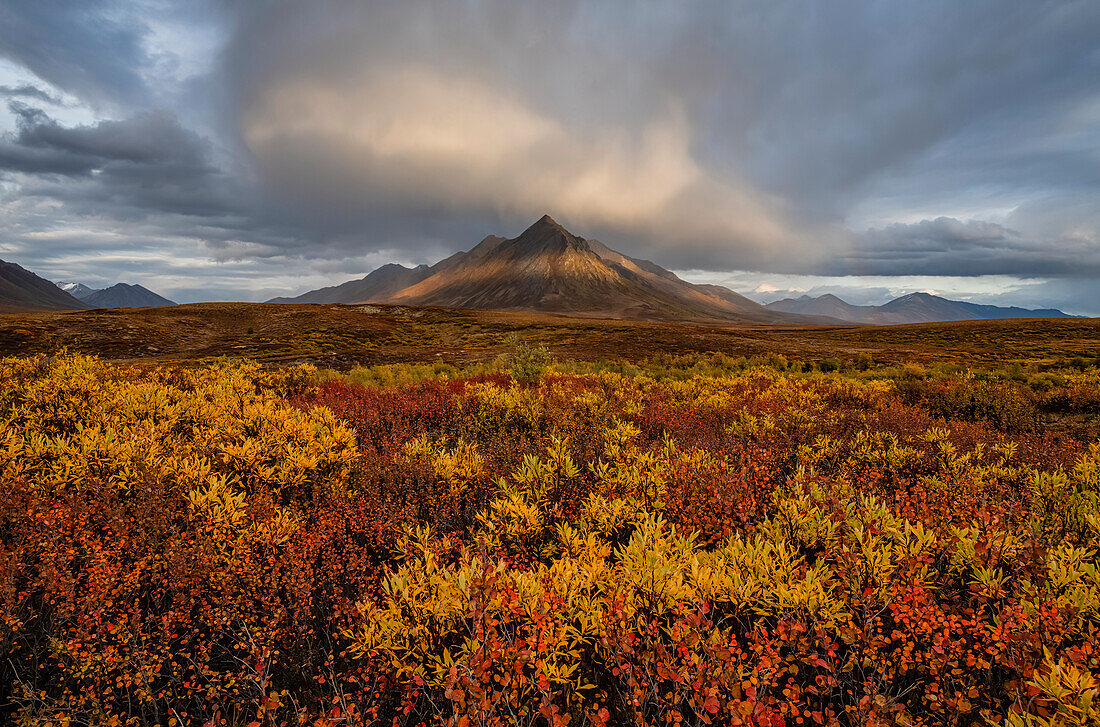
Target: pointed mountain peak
{"x": 547, "y": 236}
{"x": 546, "y": 221}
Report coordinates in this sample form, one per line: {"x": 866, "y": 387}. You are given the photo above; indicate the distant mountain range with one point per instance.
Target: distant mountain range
{"x": 20, "y": 289}
{"x": 548, "y": 269}
{"x": 120, "y": 295}
{"x": 912, "y": 308}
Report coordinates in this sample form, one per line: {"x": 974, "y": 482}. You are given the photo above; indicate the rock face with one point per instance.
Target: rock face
{"x": 548, "y": 269}
{"x": 20, "y": 289}
{"x": 123, "y": 295}
{"x": 912, "y": 308}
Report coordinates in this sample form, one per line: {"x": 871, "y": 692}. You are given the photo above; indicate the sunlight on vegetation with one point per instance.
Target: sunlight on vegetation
{"x": 684, "y": 539}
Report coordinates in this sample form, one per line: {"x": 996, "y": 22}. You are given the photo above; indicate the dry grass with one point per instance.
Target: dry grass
{"x": 341, "y": 336}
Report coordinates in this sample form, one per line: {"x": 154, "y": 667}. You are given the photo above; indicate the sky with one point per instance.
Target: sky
{"x": 243, "y": 149}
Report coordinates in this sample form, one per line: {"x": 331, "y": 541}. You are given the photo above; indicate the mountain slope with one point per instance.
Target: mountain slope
{"x": 834, "y": 307}
{"x": 548, "y": 269}
{"x": 20, "y": 289}
{"x": 912, "y": 308}
{"x": 381, "y": 284}
{"x": 375, "y": 287}
{"x": 983, "y": 312}
{"x": 122, "y": 295}
{"x": 77, "y": 290}
{"x": 667, "y": 281}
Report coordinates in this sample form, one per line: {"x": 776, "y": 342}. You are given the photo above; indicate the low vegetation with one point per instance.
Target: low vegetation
{"x": 702, "y": 539}
{"x": 343, "y": 336}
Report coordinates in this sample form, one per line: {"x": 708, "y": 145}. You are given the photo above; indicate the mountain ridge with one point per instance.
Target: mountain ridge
{"x": 77, "y": 290}
{"x": 20, "y": 289}
{"x": 911, "y": 308}
{"x": 125, "y": 295}
{"x": 384, "y": 280}
{"x": 550, "y": 270}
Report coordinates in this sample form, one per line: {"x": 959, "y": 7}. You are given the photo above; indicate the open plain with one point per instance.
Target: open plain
{"x": 342, "y": 336}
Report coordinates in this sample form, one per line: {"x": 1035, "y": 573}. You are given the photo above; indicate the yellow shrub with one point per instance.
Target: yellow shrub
{"x": 1070, "y": 692}
{"x": 211, "y": 435}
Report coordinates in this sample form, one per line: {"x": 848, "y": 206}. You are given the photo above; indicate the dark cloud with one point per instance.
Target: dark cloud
{"x": 789, "y": 115}
{"x": 91, "y": 48}
{"x": 151, "y": 140}
{"x": 852, "y": 95}
{"x": 146, "y": 165}
{"x": 778, "y": 136}
{"x": 947, "y": 246}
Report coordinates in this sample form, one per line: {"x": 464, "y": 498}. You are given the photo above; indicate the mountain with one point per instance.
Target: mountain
{"x": 377, "y": 286}
{"x": 548, "y": 269}
{"x": 77, "y": 290}
{"x": 912, "y": 308}
{"x": 20, "y": 289}
{"x": 832, "y": 306}
{"x": 995, "y": 311}
{"x": 122, "y": 295}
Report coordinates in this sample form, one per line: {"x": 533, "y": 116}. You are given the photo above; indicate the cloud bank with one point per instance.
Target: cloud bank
{"x": 268, "y": 139}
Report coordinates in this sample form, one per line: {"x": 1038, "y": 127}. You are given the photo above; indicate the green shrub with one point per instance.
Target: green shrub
{"x": 529, "y": 362}
{"x": 778, "y": 362}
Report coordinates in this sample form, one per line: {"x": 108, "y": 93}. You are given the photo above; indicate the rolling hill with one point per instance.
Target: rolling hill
{"x": 912, "y": 308}
{"x": 20, "y": 289}
{"x": 547, "y": 269}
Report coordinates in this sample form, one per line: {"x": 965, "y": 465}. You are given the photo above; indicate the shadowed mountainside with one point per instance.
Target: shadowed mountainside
{"x": 20, "y": 289}
{"x": 377, "y": 286}
{"x": 912, "y": 308}
{"x": 122, "y": 295}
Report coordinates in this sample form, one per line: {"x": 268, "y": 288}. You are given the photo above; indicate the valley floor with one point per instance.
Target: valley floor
{"x": 340, "y": 336}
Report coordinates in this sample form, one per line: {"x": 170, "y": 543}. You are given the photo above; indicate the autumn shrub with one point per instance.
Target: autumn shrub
{"x": 685, "y": 540}
{"x": 1006, "y": 407}
{"x": 528, "y": 362}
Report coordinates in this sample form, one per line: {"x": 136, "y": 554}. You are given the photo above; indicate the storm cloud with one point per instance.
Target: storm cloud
{"x": 271, "y": 140}
{"x": 947, "y": 246}
{"x": 153, "y": 139}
